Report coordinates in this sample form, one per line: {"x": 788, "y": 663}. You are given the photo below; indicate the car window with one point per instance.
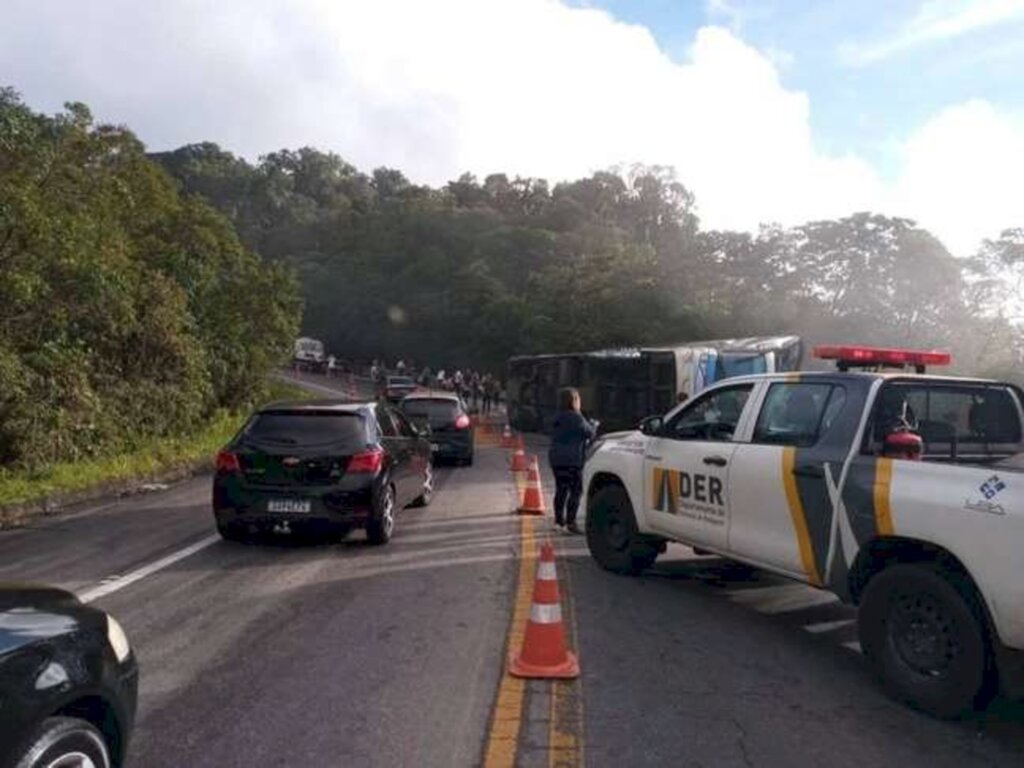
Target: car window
{"x": 798, "y": 413}
{"x": 438, "y": 412}
{"x": 958, "y": 422}
{"x": 711, "y": 417}
{"x": 304, "y": 428}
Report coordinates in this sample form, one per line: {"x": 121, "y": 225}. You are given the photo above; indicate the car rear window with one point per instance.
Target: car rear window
{"x": 437, "y": 412}
{"x": 304, "y": 428}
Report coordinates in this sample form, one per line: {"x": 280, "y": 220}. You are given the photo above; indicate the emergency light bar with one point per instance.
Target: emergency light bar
{"x": 847, "y": 357}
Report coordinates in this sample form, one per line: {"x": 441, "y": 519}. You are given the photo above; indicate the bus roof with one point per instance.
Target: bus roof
{"x": 751, "y": 345}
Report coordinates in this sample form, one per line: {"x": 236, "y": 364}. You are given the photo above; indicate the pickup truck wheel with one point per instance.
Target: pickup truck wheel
{"x": 612, "y": 535}
{"x": 922, "y": 638}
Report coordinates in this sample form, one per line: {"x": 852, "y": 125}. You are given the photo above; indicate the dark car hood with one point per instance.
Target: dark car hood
{"x": 38, "y": 596}
{"x": 29, "y": 613}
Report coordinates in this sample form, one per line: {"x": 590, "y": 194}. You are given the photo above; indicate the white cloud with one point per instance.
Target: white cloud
{"x": 935, "y": 21}
{"x": 529, "y": 87}
{"x": 962, "y": 173}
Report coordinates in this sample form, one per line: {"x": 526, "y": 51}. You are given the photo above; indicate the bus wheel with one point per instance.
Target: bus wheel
{"x": 612, "y": 535}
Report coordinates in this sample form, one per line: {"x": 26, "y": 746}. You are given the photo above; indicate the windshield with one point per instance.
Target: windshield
{"x": 305, "y": 429}
{"x": 733, "y": 364}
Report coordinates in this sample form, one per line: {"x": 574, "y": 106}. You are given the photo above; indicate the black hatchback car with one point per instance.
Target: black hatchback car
{"x": 321, "y": 466}
{"x": 451, "y": 431}
{"x": 68, "y": 681}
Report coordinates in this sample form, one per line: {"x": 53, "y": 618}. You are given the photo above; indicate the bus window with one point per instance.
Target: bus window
{"x": 731, "y": 364}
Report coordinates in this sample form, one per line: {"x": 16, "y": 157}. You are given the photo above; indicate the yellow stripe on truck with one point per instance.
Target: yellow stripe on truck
{"x": 796, "y": 511}
{"x": 883, "y": 484}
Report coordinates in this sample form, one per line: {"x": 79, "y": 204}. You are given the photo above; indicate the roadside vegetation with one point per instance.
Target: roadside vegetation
{"x": 151, "y": 459}
{"x": 129, "y": 313}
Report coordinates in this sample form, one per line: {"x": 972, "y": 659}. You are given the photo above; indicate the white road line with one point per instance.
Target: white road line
{"x": 828, "y": 626}
{"x": 783, "y": 599}
{"x": 115, "y": 583}
{"x": 854, "y": 646}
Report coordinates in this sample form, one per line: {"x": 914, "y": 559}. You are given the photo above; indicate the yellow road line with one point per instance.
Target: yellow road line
{"x": 503, "y": 737}
{"x": 565, "y": 735}
{"x": 796, "y": 511}
{"x": 883, "y": 482}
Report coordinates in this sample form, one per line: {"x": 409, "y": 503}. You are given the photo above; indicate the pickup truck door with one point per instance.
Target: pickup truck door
{"x": 784, "y": 483}
{"x": 686, "y": 467}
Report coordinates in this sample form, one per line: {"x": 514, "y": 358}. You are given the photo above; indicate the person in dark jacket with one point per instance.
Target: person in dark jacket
{"x": 569, "y": 438}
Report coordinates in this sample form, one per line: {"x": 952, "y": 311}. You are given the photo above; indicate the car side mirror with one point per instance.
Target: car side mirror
{"x": 652, "y": 425}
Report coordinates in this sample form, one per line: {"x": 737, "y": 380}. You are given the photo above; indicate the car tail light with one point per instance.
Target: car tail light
{"x": 367, "y": 461}
{"x": 462, "y": 422}
{"x": 228, "y": 462}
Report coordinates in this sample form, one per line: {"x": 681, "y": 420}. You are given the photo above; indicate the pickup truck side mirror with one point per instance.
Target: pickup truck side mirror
{"x": 652, "y": 425}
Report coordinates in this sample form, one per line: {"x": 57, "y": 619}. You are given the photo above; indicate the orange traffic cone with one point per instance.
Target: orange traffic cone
{"x": 544, "y": 654}
{"x": 533, "y": 496}
{"x": 519, "y": 463}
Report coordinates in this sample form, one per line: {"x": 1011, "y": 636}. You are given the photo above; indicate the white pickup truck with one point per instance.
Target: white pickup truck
{"x": 902, "y": 493}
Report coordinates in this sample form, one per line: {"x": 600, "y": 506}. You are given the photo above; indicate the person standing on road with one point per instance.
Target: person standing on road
{"x": 569, "y": 438}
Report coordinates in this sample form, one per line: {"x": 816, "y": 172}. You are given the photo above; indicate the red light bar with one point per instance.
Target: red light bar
{"x": 850, "y": 356}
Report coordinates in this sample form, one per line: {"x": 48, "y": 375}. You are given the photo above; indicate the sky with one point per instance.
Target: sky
{"x": 774, "y": 111}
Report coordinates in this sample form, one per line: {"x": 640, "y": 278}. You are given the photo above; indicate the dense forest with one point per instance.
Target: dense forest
{"x": 474, "y": 272}
{"x": 127, "y": 310}
{"x": 141, "y": 293}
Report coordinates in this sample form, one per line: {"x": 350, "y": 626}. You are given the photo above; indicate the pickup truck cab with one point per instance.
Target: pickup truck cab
{"x": 902, "y": 493}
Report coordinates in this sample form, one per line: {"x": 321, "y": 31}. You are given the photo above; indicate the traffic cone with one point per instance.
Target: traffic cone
{"x": 506, "y": 438}
{"x": 544, "y": 654}
{"x": 533, "y": 496}
{"x": 519, "y": 463}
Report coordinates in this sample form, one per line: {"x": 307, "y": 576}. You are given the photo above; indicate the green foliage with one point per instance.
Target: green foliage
{"x": 150, "y": 458}
{"x": 127, "y": 311}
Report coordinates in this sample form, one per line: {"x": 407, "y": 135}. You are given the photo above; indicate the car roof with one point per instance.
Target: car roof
{"x": 433, "y": 396}
{"x": 326, "y": 404}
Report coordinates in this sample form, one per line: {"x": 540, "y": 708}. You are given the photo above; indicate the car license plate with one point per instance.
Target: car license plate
{"x": 293, "y": 506}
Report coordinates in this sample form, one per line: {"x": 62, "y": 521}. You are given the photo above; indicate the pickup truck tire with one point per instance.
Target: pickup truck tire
{"x": 612, "y": 535}
{"x": 922, "y": 637}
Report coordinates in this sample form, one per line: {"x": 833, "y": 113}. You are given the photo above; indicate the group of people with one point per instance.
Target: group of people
{"x": 482, "y": 391}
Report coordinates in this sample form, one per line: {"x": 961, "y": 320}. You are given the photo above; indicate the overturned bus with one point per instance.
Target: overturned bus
{"x": 621, "y": 386}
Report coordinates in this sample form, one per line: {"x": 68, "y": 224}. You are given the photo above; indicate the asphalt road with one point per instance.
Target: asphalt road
{"x": 342, "y": 654}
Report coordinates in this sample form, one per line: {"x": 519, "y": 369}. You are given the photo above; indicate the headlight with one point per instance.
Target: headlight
{"x": 118, "y": 639}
